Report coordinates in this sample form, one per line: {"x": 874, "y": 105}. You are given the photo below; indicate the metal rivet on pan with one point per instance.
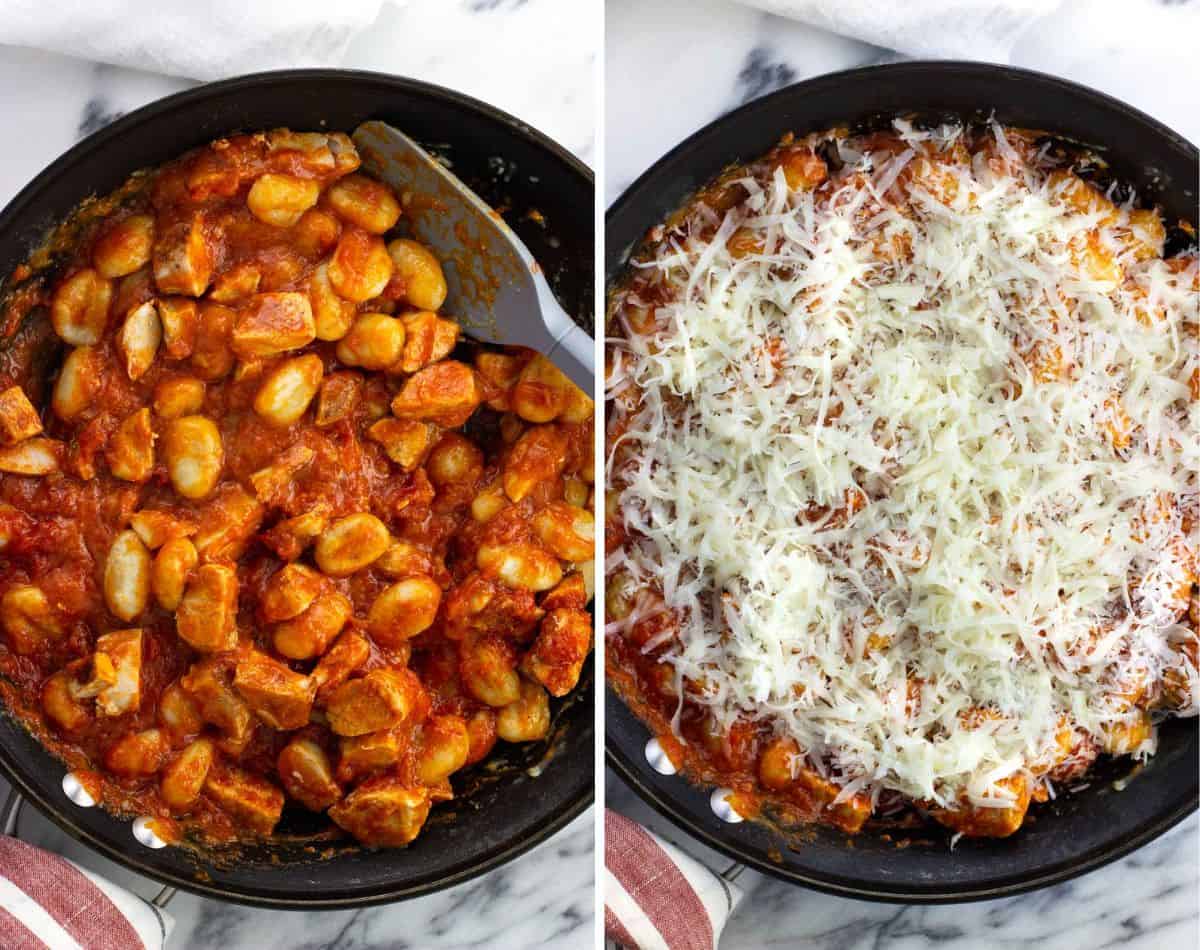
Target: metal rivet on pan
{"x": 719, "y": 803}
{"x": 145, "y": 834}
{"x": 657, "y": 756}
{"x": 75, "y": 791}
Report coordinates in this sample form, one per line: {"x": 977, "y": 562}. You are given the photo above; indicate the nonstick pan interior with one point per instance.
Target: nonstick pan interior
{"x": 1078, "y": 832}
{"x": 522, "y": 794}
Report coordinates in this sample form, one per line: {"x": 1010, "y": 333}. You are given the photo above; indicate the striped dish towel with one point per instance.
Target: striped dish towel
{"x": 49, "y": 902}
{"x": 655, "y": 896}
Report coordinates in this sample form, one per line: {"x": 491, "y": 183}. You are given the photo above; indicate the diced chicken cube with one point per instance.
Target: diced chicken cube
{"x": 130, "y": 451}
{"x": 207, "y": 616}
{"x": 369, "y": 753}
{"x": 273, "y": 323}
{"x": 382, "y": 812}
{"x": 123, "y": 650}
{"x": 380, "y": 700}
{"x": 18, "y": 419}
{"x": 268, "y": 483}
{"x": 226, "y": 524}
{"x": 445, "y": 393}
{"x": 156, "y": 528}
{"x": 35, "y": 456}
{"x": 183, "y": 258}
{"x": 179, "y": 318}
{"x": 559, "y": 652}
{"x": 988, "y": 822}
{"x": 249, "y": 799}
{"x": 207, "y": 683}
{"x": 339, "y": 395}
{"x": 428, "y": 338}
{"x": 279, "y": 696}
{"x": 290, "y": 537}
{"x": 349, "y": 652}
{"x": 406, "y": 441}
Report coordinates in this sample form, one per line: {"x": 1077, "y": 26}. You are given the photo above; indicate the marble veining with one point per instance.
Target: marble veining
{"x": 535, "y": 59}
{"x": 1146, "y": 901}
{"x": 673, "y": 66}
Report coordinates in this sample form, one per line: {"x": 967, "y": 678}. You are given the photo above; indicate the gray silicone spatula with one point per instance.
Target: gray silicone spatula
{"x": 495, "y": 288}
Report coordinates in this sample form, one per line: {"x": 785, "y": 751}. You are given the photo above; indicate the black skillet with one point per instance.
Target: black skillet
{"x": 1081, "y": 831}
{"x": 523, "y": 794}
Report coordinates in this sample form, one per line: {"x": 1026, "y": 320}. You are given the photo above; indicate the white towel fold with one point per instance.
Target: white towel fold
{"x": 961, "y": 29}
{"x": 202, "y": 39}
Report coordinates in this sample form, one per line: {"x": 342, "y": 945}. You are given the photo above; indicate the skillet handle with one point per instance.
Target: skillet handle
{"x": 733, "y": 872}
{"x": 11, "y": 813}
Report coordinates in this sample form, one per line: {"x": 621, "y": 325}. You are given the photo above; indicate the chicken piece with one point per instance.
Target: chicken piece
{"x": 122, "y": 650}
{"x": 91, "y": 676}
{"x": 207, "y": 683}
{"x": 370, "y": 753}
{"x": 383, "y": 812}
{"x": 36, "y": 456}
{"x": 307, "y": 775}
{"x": 156, "y": 528}
{"x": 227, "y": 523}
{"x": 349, "y": 652}
{"x": 18, "y": 419}
{"x": 988, "y": 822}
{"x": 427, "y": 339}
{"x": 481, "y": 606}
{"x": 179, "y": 318}
{"x": 273, "y": 323}
{"x": 570, "y": 592}
{"x": 338, "y": 397}
{"x": 184, "y": 258}
{"x": 279, "y": 696}
{"x": 405, "y": 441}
{"x": 130, "y": 451}
{"x": 539, "y": 455}
{"x": 290, "y": 537}
{"x": 380, "y": 700}
{"x": 445, "y": 393}
{"x": 559, "y": 652}
{"x": 207, "y": 616}
{"x": 270, "y": 482}
{"x": 247, "y": 798}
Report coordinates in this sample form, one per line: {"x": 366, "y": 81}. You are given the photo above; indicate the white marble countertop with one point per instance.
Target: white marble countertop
{"x": 671, "y": 67}
{"x": 536, "y": 60}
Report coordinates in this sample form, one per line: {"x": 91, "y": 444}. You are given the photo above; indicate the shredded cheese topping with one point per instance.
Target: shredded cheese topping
{"x": 910, "y": 459}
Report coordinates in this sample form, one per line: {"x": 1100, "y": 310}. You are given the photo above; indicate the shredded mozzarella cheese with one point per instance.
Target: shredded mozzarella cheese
{"x": 912, "y": 476}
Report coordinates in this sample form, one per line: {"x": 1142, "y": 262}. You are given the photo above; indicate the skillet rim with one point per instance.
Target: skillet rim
{"x": 618, "y": 755}
{"x": 17, "y": 773}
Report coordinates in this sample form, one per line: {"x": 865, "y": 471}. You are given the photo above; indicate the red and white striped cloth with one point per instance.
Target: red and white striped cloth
{"x": 658, "y": 898}
{"x": 49, "y": 902}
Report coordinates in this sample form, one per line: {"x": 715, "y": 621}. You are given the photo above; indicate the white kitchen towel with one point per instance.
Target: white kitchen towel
{"x": 958, "y": 29}
{"x": 201, "y": 39}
